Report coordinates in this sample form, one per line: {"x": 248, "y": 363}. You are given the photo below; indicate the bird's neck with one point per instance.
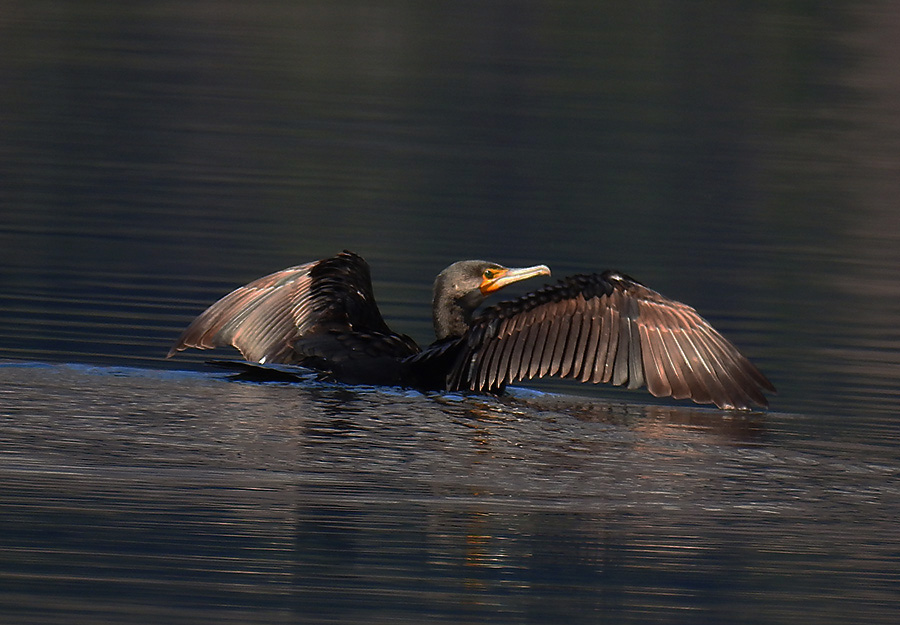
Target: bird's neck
{"x": 453, "y": 315}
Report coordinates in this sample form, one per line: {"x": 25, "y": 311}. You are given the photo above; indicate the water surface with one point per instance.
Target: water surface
{"x": 744, "y": 159}
{"x": 137, "y": 496}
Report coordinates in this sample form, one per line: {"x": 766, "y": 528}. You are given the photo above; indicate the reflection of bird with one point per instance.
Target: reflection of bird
{"x": 592, "y": 327}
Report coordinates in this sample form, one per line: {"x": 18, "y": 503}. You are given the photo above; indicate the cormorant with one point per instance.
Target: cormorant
{"x": 604, "y": 327}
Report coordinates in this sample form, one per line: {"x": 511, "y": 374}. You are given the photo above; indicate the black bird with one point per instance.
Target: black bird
{"x": 603, "y": 327}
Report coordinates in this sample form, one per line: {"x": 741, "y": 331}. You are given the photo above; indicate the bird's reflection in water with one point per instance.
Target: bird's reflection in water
{"x": 656, "y": 420}
{"x": 493, "y": 496}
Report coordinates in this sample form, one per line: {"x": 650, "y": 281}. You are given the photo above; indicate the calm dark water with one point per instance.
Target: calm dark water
{"x": 742, "y": 158}
{"x": 143, "y": 496}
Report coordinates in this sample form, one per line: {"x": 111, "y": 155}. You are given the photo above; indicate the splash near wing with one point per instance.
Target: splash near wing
{"x": 612, "y": 329}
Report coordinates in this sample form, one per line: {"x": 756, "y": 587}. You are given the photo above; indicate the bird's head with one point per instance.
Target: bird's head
{"x": 462, "y": 287}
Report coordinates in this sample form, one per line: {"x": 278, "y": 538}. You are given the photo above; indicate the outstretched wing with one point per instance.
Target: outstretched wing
{"x": 266, "y": 318}
{"x": 607, "y": 328}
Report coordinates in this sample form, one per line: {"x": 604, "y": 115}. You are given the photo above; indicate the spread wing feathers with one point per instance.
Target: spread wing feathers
{"x": 264, "y": 319}
{"x": 607, "y": 328}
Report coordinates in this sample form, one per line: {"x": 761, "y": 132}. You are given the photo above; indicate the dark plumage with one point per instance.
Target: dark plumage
{"x": 592, "y": 327}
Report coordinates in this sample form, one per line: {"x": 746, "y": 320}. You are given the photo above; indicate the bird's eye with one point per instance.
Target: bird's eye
{"x": 489, "y": 274}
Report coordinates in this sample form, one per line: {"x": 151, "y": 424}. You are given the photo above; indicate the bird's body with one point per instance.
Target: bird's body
{"x": 603, "y": 327}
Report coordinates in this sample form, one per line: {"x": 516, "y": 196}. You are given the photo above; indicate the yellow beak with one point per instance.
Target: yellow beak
{"x": 506, "y": 276}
